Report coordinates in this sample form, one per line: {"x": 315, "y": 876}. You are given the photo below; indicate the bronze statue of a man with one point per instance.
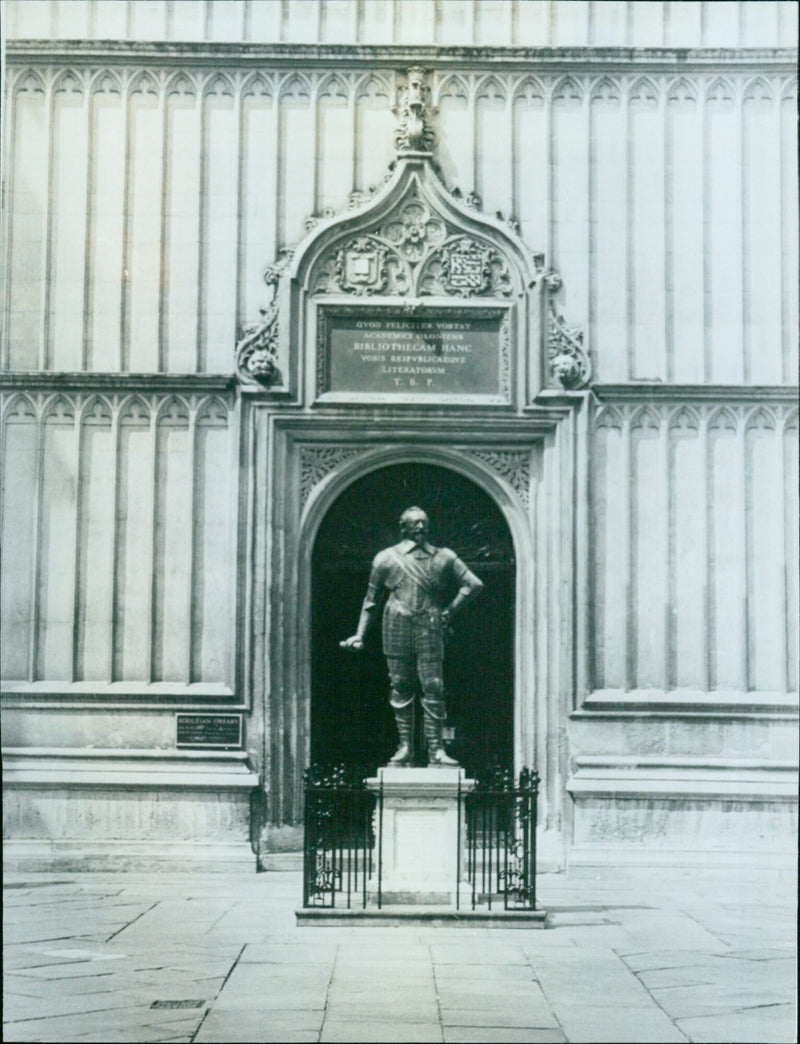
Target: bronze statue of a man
{"x": 419, "y": 579}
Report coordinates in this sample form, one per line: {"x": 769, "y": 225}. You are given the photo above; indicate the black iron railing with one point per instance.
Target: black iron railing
{"x": 339, "y": 838}
{"x": 496, "y": 859}
{"x": 499, "y": 818}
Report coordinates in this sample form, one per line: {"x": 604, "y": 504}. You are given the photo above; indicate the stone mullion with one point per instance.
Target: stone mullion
{"x": 705, "y": 233}
{"x": 80, "y": 482}
{"x": 626, "y": 517}
{"x": 509, "y": 121}
{"x": 561, "y": 539}
{"x": 472, "y": 112}
{"x": 274, "y": 159}
{"x": 352, "y": 119}
{"x": 38, "y": 485}
{"x": 238, "y": 119}
{"x": 236, "y": 536}
{"x": 549, "y": 175}
{"x": 47, "y": 237}
{"x": 191, "y": 543}
{"x": 124, "y": 347}
{"x": 513, "y": 31}
{"x": 162, "y": 256}
{"x": 280, "y": 163}
{"x": 627, "y": 209}
{"x": 8, "y": 136}
{"x": 88, "y": 282}
{"x": 592, "y": 211}
{"x": 667, "y": 138}
{"x": 787, "y": 237}
{"x": 781, "y": 553}
{"x": 668, "y": 444}
{"x": 584, "y": 645}
{"x": 707, "y": 633}
{"x": 314, "y": 104}
{"x": 114, "y": 563}
{"x": 155, "y": 507}
{"x": 202, "y": 209}
{"x": 744, "y": 218}
{"x": 746, "y": 529}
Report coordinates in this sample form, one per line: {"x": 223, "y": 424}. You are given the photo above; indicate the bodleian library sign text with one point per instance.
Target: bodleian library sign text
{"x": 459, "y": 352}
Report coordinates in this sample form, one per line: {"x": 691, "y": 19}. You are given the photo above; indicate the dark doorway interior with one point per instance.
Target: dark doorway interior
{"x": 351, "y": 721}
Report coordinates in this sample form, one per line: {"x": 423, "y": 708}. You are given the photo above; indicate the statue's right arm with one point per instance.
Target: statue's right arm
{"x": 369, "y": 607}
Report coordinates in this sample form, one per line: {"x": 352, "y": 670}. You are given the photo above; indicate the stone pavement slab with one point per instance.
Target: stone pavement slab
{"x": 631, "y": 956}
{"x": 501, "y": 1034}
{"x": 767, "y": 1025}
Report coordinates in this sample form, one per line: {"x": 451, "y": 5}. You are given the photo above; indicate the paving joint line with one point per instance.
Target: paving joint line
{"x": 328, "y": 991}
{"x": 650, "y": 994}
{"x": 222, "y": 987}
{"x": 540, "y": 984}
{"x": 129, "y": 923}
{"x": 436, "y": 989}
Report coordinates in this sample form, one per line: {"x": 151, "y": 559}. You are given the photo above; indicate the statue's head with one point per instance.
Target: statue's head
{"x": 414, "y": 524}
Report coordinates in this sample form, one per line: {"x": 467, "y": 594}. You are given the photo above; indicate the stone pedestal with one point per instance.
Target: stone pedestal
{"x": 420, "y": 835}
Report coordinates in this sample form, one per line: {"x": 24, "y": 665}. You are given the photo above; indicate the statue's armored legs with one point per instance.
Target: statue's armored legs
{"x": 404, "y": 719}
{"x": 434, "y": 723}
{"x": 402, "y": 701}
{"x": 430, "y": 672}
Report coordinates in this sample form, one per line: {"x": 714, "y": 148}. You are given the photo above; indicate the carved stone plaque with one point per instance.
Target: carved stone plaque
{"x": 458, "y": 354}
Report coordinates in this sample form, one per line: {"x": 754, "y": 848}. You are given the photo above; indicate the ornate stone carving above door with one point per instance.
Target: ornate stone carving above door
{"x": 316, "y": 462}
{"x": 414, "y": 253}
{"x": 417, "y": 244}
{"x": 512, "y": 465}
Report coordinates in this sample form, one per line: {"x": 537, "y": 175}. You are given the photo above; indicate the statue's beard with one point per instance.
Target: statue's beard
{"x": 420, "y": 539}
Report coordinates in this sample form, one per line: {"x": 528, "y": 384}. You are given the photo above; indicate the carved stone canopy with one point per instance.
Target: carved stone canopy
{"x": 414, "y": 239}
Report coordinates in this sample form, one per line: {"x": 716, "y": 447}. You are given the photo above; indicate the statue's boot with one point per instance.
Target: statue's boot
{"x": 404, "y": 719}
{"x": 434, "y": 723}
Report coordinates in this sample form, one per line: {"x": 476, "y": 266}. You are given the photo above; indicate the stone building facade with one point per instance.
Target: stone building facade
{"x": 202, "y": 202}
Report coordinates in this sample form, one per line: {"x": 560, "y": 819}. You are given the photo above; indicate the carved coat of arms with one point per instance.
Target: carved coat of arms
{"x": 466, "y": 267}
{"x": 361, "y": 266}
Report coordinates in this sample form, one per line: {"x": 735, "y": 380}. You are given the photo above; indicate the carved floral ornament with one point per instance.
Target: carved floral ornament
{"x": 318, "y": 462}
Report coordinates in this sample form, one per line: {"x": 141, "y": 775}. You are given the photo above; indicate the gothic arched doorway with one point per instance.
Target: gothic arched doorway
{"x": 351, "y": 720}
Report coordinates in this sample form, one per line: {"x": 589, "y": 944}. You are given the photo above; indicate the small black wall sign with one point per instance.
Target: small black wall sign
{"x": 220, "y": 731}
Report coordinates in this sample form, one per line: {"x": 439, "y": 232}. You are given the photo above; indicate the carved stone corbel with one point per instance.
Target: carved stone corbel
{"x": 414, "y": 132}
{"x": 257, "y": 348}
{"x": 568, "y": 360}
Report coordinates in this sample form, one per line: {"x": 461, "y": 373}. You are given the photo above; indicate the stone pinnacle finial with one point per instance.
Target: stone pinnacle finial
{"x": 414, "y": 132}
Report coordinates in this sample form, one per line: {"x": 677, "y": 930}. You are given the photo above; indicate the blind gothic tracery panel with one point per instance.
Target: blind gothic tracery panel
{"x": 694, "y": 518}
{"x": 117, "y": 528}
{"x": 623, "y": 180}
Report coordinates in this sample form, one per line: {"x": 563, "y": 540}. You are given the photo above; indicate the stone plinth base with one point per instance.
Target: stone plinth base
{"x": 422, "y": 837}
{"x": 68, "y": 809}
{"x": 432, "y": 917}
